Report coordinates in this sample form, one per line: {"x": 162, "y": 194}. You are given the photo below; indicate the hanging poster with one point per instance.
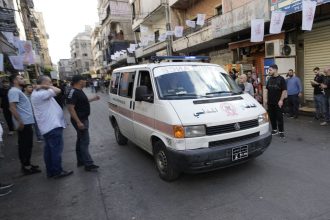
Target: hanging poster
{"x": 17, "y": 62}
{"x": 257, "y": 30}
{"x": 191, "y": 24}
{"x": 308, "y": 13}
{"x": 178, "y": 31}
{"x": 276, "y": 22}
{"x": 201, "y": 19}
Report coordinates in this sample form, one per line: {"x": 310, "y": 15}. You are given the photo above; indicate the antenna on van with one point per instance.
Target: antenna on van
{"x": 158, "y": 59}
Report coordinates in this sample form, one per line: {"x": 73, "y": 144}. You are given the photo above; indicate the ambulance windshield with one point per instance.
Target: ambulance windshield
{"x": 192, "y": 82}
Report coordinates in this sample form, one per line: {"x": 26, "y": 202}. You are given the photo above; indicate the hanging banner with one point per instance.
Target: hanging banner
{"x": 9, "y": 36}
{"x": 308, "y": 12}
{"x": 178, "y": 31}
{"x": 1, "y": 62}
{"x": 17, "y": 62}
{"x": 257, "y": 30}
{"x": 144, "y": 29}
{"x": 28, "y": 54}
{"x": 191, "y": 24}
{"x": 162, "y": 37}
{"x": 276, "y": 22}
{"x": 201, "y": 19}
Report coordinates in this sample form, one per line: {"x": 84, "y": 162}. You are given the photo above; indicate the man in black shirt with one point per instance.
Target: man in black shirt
{"x": 277, "y": 92}
{"x": 79, "y": 108}
{"x": 326, "y": 86}
{"x": 5, "y": 106}
{"x": 319, "y": 99}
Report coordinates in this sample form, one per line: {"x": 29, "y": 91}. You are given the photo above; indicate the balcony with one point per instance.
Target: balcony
{"x": 156, "y": 15}
{"x": 150, "y": 50}
{"x": 180, "y": 4}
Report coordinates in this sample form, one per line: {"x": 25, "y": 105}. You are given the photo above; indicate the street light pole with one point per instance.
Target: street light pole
{"x": 168, "y": 28}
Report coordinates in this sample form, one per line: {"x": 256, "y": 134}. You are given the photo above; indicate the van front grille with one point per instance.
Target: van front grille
{"x": 233, "y": 140}
{"x": 221, "y": 129}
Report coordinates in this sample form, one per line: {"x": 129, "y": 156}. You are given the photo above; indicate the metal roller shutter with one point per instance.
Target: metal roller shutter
{"x": 317, "y": 53}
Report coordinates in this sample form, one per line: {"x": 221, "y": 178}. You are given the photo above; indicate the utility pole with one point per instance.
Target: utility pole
{"x": 168, "y": 28}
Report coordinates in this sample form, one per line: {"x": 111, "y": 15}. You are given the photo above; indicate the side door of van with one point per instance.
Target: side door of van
{"x": 123, "y": 103}
{"x": 144, "y": 112}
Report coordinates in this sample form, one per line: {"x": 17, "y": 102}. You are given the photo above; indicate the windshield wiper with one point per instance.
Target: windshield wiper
{"x": 181, "y": 94}
{"x": 218, "y": 92}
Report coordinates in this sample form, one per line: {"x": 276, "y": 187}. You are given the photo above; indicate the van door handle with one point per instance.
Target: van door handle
{"x": 133, "y": 105}
{"x": 130, "y": 104}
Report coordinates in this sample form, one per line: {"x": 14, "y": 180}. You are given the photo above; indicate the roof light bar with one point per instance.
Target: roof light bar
{"x": 180, "y": 58}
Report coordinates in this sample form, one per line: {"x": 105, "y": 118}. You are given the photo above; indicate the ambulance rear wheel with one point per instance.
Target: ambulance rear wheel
{"x": 163, "y": 163}
{"x": 120, "y": 138}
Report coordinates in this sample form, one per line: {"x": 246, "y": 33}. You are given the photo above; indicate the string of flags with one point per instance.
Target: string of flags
{"x": 277, "y": 20}
{"x": 147, "y": 36}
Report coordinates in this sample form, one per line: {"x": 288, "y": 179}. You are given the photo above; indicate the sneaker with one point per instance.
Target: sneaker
{"x": 92, "y": 167}
{"x": 5, "y": 193}
{"x": 40, "y": 141}
{"x": 324, "y": 123}
{"x": 80, "y": 164}
{"x": 10, "y": 133}
{"x": 63, "y": 174}
{"x": 5, "y": 186}
{"x": 281, "y": 135}
{"x": 274, "y": 132}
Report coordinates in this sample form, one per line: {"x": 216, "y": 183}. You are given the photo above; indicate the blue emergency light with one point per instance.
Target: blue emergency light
{"x": 180, "y": 58}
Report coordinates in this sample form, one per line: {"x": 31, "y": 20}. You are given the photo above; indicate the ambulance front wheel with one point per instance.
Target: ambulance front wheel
{"x": 120, "y": 138}
{"x": 163, "y": 163}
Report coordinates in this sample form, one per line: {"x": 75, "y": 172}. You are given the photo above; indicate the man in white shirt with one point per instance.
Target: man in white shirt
{"x": 50, "y": 118}
{"x": 248, "y": 88}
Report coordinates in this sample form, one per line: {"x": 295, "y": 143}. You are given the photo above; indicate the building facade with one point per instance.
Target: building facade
{"x": 65, "y": 69}
{"x": 81, "y": 52}
{"x": 115, "y": 33}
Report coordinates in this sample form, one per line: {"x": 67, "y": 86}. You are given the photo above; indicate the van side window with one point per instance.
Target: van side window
{"x": 126, "y": 84}
{"x": 145, "y": 80}
{"x": 114, "y": 83}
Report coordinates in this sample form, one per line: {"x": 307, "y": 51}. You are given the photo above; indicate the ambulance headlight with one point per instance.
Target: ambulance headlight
{"x": 262, "y": 119}
{"x": 194, "y": 131}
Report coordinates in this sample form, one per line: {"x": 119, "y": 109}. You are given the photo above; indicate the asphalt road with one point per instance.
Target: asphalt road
{"x": 289, "y": 181}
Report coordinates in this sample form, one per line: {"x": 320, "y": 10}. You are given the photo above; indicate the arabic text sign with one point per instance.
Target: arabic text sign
{"x": 292, "y": 6}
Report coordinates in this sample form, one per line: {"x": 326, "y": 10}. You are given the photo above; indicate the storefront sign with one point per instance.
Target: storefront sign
{"x": 292, "y": 6}
{"x": 240, "y": 18}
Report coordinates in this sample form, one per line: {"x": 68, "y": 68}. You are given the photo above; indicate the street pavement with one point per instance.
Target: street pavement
{"x": 290, "y": 180}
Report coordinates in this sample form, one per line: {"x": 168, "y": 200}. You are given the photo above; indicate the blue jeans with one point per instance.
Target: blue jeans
{"x": 53, "y": 151}
{"x": 82, "y": 144}
{"x": 319, "y": 101}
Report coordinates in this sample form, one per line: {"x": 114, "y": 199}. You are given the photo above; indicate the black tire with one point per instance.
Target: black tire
{"x": 163, "y": 163}
{"x": 120, "y": 138}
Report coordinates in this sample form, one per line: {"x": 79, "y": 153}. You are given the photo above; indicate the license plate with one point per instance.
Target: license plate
{"x": 239, "y": 153}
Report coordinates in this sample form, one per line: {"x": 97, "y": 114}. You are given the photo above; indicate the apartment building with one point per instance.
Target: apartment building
{"x": 81, "y": 52}
{"x": 65, "y": 68}
{"x": 115, "y": 33}
{"x": 96, "y": 49}
{"x": 40, "y": 32}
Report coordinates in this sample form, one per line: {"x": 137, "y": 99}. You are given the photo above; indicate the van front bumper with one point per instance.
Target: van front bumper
{"x": 207, "y": 159}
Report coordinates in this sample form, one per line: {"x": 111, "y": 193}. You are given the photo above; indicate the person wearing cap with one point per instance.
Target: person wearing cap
{"x": 79, "y": 108}
{"x": 50, "y": 119}
{"x": 276, "y": 93}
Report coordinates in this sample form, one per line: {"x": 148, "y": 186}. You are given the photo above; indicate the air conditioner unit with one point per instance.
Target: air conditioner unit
{"x": 273, "y": 48}
{"x": 288, "y": 50}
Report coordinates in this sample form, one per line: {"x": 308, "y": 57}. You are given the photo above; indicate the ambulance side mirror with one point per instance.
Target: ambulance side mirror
{"x": 141, "y": 94}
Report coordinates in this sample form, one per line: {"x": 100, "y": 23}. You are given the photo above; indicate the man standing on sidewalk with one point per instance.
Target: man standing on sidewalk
{"x": 50, "y": 119}
{"x": 294, "y": 93}
{"x": 5, "y": 106}
{"x": 326, "y": 86}
{"x": 276, "y": 93}
{"x": 318, "y": 94}
{"x": 21, "y": 109}
{"x": 79, "y": 108}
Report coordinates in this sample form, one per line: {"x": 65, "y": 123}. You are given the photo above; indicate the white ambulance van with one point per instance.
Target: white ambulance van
{"x": 191, "y": 116}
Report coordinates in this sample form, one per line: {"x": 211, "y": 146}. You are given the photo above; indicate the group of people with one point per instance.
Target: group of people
{"x": 287, "y": 91}
{"x": 99, "y": 85}
{"x": 36, "y": 106}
